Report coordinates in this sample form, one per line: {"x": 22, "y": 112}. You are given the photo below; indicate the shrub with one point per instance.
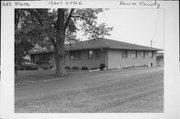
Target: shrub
{"x": 84, "y": 68}
{"x": 67, "y": 67}
{"x": 94, "y": 68}
{"x": 102, "y": 66}
{"x": 46, "y": 66}
{"x": 75, "y": 68}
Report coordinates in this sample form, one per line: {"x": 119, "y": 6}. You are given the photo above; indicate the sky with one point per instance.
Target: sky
{"x": 138, "y": 26}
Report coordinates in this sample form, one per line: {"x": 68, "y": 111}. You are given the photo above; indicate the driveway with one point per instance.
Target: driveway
{"x": 131, "y": 90}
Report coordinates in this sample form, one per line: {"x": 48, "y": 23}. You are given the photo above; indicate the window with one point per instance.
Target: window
{"x": 150, "y": 54}
{"x": 134, "y": 54}
{"x": 124, "y": 54}
{"x": 143, "y": 54}
{"x": 94, "y": 54}
{"x": 90, "y": 54}
{"x": 74, "y": 55}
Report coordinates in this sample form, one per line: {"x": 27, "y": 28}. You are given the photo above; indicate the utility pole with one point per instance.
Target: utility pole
{"x": 151, "y": 43}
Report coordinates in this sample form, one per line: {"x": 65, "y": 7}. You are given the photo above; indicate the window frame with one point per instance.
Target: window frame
{"x": 90, "y": 54}
{"x": 94, "y": 54}
{"x": 74, "y": 54}
{"x": 124, "y": 53}
{"x": 143, "y": 54}
{"x": 134, "y": 54}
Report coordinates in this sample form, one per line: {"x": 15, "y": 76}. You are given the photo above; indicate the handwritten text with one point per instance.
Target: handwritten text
{"x": 65, "y": 3}
{"x": 146, "y": 4}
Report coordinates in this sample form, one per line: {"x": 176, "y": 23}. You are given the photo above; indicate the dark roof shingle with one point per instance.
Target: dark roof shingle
{"x": 107, "y": 43}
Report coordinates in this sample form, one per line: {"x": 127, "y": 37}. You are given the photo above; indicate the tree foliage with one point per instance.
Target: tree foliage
{"x": 54, "y": 27}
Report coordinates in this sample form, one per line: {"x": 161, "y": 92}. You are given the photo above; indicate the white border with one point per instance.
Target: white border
{"x": 171, "y": 72}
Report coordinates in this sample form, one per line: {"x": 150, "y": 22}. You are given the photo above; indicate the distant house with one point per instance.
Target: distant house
{"x": 92, "y": 53}
{"x": 160, "y": 59}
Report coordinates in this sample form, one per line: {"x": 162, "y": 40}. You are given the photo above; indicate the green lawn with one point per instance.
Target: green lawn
{"x": 136, "y": 90}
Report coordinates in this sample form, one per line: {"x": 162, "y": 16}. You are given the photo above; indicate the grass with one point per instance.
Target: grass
{"x": 34, "y": 76}
{"x": 112, "y": 91}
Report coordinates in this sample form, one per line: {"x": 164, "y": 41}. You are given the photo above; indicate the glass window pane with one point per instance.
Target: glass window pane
{"x": 75, "y": 55}
{"x": 90, "y": 53}
{"x": 124, "y": 54}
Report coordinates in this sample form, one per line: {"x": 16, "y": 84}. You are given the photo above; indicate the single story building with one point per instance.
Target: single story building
{"x": 92, "y": 53}
{"x": 160, "y": 59}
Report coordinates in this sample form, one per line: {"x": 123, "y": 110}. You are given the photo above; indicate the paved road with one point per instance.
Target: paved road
{"x": 136, "y": 86}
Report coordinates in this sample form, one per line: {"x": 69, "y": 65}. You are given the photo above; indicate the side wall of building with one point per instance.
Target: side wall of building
{"x": 85, "y": 61}
{"x": 111, "y": 58}
{"x": 115, "y": 59}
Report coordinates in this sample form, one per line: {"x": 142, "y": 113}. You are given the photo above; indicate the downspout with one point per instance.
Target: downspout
{"x": 106, "y": 57}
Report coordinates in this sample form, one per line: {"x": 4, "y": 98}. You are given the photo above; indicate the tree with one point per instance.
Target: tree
{"x": 26, "y": 35}
{"x": 51, "y": 27}
{"x": 22, "y": 41}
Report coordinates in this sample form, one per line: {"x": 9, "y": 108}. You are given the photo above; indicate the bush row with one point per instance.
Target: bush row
{"x": 101, "y": 67}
